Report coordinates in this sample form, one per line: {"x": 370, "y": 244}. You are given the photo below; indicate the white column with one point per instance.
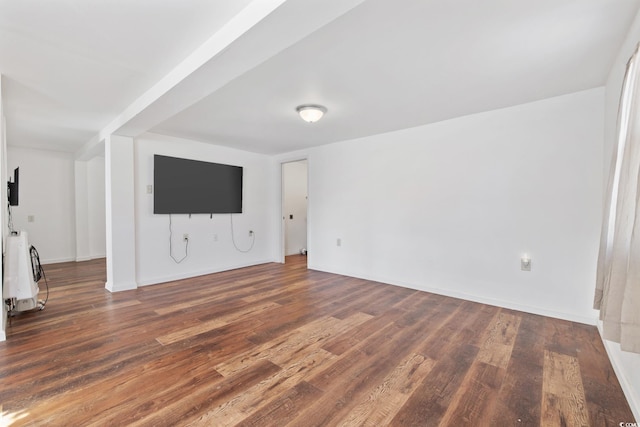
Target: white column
{"x": 82, "y": 211}
{"x": 3, "y": 197}
{"x": 120, "y": 218}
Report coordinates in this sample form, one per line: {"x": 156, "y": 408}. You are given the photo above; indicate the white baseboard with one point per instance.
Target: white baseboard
{"x": 475, "y": 298}
{"x": 56, "y": 260}
{"x": 90, "y": 257}
{"x": 125, "y": 286}
{"x": 164, "y": 279}
{"x": 615, "y": 356}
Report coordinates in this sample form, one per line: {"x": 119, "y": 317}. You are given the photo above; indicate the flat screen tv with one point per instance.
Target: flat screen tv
{"x": 13, "y": 187}
{"x": 184, "y": 186}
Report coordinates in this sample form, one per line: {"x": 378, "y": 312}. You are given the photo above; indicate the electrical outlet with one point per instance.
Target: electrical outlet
{"x": 31, "y": 218}
{"x": 215, "y": 237}
{"x": 185, "y": 237}
{"x": 339, "y": 242}
{"x": 250, "y": 232}
{"x": 525, "y": 263}
{"x": 149, "y": 189}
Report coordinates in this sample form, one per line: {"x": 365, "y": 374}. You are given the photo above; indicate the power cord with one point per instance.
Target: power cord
{"x": 10, "y": 220}
{"x": 38, "y": 272}
{"x": 233, "y": 239}
{"x": 186, "y": 246}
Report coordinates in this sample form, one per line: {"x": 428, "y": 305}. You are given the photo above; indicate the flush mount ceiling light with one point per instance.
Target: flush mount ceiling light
{"x": 311, "y": 113}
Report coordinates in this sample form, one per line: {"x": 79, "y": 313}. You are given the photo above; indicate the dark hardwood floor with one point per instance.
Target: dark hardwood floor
{"x": 276, "y": 345}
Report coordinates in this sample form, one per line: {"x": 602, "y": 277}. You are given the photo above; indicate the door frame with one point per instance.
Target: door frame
{"x": 281, "y": 254}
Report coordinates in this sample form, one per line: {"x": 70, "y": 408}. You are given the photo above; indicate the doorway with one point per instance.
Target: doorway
{"x": 294, "y": 210}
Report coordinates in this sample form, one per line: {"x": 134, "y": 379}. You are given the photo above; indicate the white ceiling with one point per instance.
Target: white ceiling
{"x": 71, "y": 67}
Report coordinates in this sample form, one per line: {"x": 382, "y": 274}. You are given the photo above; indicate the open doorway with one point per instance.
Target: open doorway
{"x": 294, "y": 210}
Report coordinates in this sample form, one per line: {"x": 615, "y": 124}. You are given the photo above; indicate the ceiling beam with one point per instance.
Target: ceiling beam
{"x": 260, "y": 31}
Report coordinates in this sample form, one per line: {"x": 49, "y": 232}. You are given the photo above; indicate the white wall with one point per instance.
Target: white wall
{"x": 210, "y": 241}
{"x": 82, "y": 210}
{"x": 46, "y": 192}
{"x": 3, "y": 197}
{"x": 90, "y": 208}
{"x": 294, "y": 181}
{"x": 627, "y": 365}
{"x": 451, "y": 207}
{"x": 96, "y": 207}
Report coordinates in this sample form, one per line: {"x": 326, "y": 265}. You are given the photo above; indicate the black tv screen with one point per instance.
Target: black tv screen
{"x": 13, "y": 188}
{"x": 184, "y": 186}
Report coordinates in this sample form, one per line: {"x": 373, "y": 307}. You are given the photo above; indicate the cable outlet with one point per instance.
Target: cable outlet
{"x": 185, "y": 237}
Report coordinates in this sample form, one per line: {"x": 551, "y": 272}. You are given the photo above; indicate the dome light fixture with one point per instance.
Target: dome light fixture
{"x": 311, "y": 113}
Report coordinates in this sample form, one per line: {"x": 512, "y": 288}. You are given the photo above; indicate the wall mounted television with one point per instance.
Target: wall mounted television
{"x": 13, "y": 188}
{"x": 184, "y": 186}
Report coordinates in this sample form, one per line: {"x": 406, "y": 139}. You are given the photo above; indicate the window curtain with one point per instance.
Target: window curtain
{"x": 618, "y": 274}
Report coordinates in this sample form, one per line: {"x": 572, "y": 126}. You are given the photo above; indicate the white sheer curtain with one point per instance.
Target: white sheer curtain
{"x": 618, "y": 278}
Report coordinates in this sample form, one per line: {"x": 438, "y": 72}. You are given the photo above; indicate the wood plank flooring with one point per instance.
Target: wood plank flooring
{"x": 276, "y": 345}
